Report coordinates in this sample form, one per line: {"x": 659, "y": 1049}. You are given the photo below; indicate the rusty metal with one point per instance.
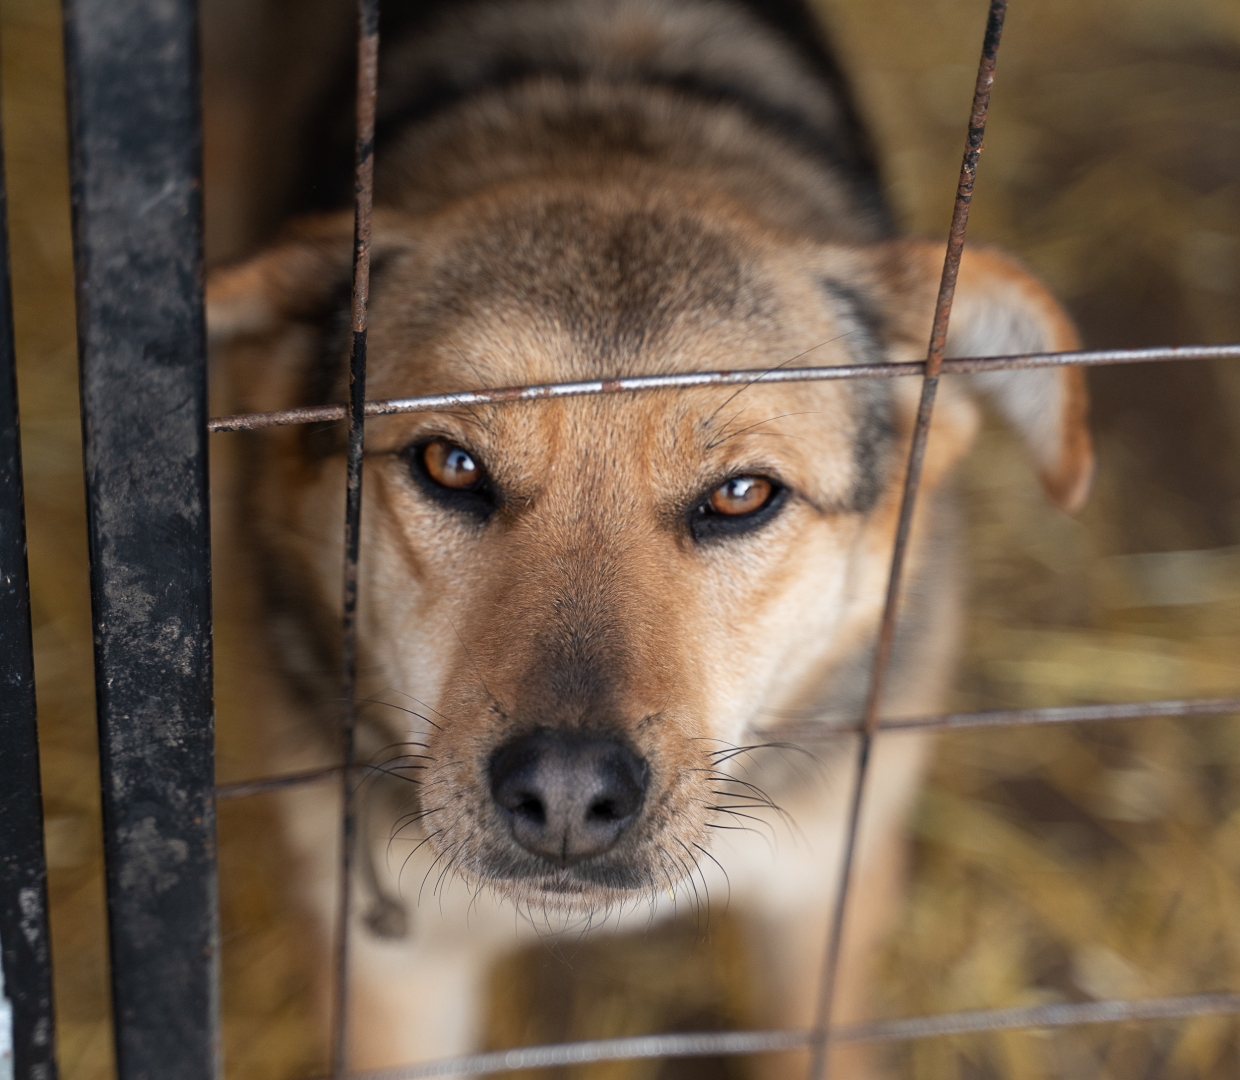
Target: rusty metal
{"x": 806, "y": 732}
{"x": 819, "y": 1065}
{"x": 240, "y": 789}
{"x": 363, "y": 193}
{"x": 729, "y": 1043}
{"x": 135, "y": 146}
{"x": 135, "y": 141}
{"x": 693, "y": 379}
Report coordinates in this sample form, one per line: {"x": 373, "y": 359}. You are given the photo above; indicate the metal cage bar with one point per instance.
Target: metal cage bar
{"x": 135, "y": 161}
{"x": 819, "y": 1067}
{"x": 809, "y": 732}
{"x": 633, "y": 384}
{"x": 868, "y": 727}
{"x": 735, "y": 1043}
{"x": 363, "y": 197}
{"x": 135, "y": 140}
{"x": 24, "y": 943}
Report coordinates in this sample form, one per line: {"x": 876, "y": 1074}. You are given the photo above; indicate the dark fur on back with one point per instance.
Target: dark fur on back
{"x": 436, "y": 59}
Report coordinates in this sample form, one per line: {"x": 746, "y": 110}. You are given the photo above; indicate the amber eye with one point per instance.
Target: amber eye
{"x": 741, "y": 495}
{"x": 451, "y": 466}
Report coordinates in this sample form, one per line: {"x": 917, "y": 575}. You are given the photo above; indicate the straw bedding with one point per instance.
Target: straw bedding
{"x": 1056, "y": 864}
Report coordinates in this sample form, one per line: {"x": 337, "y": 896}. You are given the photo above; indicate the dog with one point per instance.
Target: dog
{"x": 574, "y": 613}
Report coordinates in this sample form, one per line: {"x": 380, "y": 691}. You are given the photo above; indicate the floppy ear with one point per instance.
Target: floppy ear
{"x": 289, "y": 282}
{"x": 999, "y": 309}
{"x": 280, "y": 321}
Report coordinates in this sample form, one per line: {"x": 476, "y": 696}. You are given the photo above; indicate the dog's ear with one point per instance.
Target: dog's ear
{"x": 292, "y": 281}
{"x": 279, "y": 322}
{"x": 999, "y": 309}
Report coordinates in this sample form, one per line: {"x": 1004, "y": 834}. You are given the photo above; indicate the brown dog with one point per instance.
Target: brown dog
{"x": 577, "y": 609}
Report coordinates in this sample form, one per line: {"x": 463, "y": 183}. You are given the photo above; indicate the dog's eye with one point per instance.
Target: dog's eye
{"x": 451, "y": 466}
{"x": 738, "y": 505}
{"x": 740, "y": 495}
{"x": 453, "y": 477}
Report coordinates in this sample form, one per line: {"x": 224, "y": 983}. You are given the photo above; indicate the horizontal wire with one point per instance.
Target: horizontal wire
{"x": 817, "y": 730}
{"x": 714, "y": 1044}
{"x": 820, "y": 730}
{"x": 242, "y": 788}
{"x": 691, "y": 379}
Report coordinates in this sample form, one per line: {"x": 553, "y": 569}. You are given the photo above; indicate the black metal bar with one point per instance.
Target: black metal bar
{"x": 729, "y": 1043}
{"x": 363, "y": 205}
{"x": 24, "y": 942}
{"x": 689, "y": 380}
{"x": 819, "y": 1063}
{"x": 135, "y": 155}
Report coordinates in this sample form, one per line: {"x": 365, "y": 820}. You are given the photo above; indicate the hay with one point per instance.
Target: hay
{"x": 1056, "y": 864}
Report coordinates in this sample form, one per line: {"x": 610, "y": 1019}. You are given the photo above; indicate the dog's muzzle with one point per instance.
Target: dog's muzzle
{"x": 568, "y": 796}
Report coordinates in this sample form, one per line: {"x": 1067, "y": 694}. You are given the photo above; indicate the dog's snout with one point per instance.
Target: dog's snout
{"x": 567, "y": 796}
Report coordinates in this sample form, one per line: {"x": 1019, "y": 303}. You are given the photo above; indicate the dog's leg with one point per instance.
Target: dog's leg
{"x": 411, "y": 998}
{"x": 416, "y": 1000}
{"x": 788, "y": 921}
{"x": 792, "y": 951}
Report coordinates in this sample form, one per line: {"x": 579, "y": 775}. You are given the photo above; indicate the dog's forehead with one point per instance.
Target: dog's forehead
{"x": 582, "y": 288}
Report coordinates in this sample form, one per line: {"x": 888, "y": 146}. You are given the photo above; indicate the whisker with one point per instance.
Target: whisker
{"x": 710, "y": 419}
{"x": 396, "y": 774}
{"x": 402, "y": 693}
{"x": 724, "y": 778}
{"x": 400, "y": 708}
{"x": 688, "y": 876}
{"x": 403, "y": 742}
{"x": 767, "y": 802}
{"x": 727, "y": 879}
{"x": 757, "y": 797}
{"x": 670, "y": 880}
{"x": 449, "y": 865}
{"x": 770, "y": 840}
{"x": 425, "y": 840}
{"x": 396, "y": 835}
{"x": 714, "y": 443}
{"x": 429, "y": 869}
{"x": 693, "y": 862}
{"x": 406, "y": 820}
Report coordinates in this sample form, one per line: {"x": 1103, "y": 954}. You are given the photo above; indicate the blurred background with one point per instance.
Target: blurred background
{"x": 1057, "y": 864}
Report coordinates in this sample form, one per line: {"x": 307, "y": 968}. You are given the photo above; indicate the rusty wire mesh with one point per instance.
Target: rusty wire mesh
{"x": 867, "y": 727}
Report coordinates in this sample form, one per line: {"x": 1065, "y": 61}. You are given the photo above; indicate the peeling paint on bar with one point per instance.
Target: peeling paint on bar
{"x": 135, "y": 158}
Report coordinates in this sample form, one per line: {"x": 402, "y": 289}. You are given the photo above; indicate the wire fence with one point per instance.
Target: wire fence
{"x": 165, "y": 949}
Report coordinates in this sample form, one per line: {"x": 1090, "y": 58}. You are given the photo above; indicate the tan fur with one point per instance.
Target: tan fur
{"x": 584, "y": 601}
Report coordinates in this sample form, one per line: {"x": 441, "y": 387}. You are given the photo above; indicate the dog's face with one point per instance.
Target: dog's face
{"x": 588, "y": 600}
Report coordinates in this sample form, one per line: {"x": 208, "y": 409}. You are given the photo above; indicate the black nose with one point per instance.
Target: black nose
{"x": 567, "y": 796}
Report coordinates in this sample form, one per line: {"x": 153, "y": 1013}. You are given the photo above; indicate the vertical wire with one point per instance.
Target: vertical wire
{"x": 367, "y": 88}
{"x": 912, "y": 480}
